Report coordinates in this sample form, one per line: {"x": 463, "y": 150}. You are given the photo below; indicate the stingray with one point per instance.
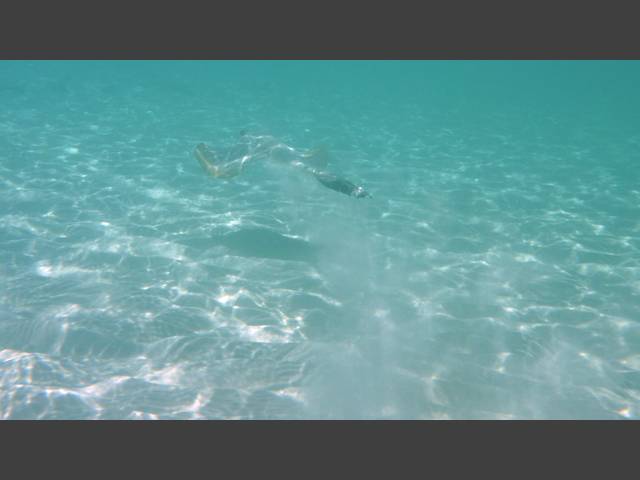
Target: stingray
{"x": 230, "y": 163}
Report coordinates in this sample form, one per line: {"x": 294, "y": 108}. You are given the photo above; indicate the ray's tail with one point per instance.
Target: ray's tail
{"x": 211, "y": 164}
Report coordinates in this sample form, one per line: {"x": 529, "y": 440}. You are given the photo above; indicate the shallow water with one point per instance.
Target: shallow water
{"x": 495, "y": 273}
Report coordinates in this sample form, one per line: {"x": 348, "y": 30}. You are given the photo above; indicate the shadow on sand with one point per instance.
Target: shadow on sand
{"x": 267, "y": 243}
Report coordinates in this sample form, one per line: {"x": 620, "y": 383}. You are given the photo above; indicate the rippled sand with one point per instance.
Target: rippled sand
{"x": 495, "y": 273}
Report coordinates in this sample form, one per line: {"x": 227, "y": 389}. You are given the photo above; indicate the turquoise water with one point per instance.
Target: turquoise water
{"x": 494, "y": 273}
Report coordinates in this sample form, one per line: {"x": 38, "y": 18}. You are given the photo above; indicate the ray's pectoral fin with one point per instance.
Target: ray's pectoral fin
{"x": 317, "y": 158}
